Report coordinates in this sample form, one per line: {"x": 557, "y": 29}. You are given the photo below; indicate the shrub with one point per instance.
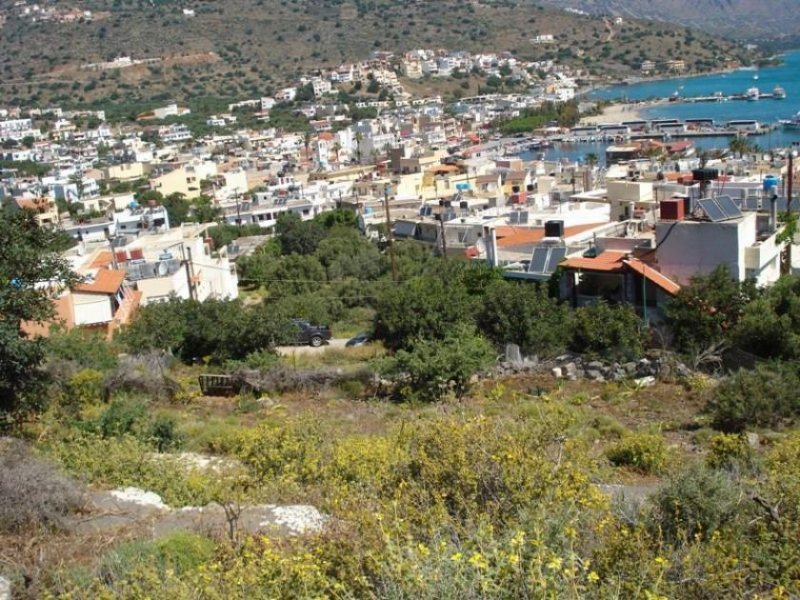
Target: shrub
{"x": 181, "y": 552}
{"x": 696, "y": 502}
{"x": 607, "y": 330}
{"x": 704, "y": 311}
{"x": 727, "y": 451}
{"x": 642, "y": 451}
{"x": 431, "y": 368}
{"x": 32, "y": 491}
{"x": 764, "y": 397}
{"x": 121, "y": 417}
{"x": 163, "y": 433}
{"x": 127, "y": 461}
{"x": 524, "y": 314}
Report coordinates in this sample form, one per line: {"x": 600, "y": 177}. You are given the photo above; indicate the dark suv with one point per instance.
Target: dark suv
{"x": 313, "y": 335}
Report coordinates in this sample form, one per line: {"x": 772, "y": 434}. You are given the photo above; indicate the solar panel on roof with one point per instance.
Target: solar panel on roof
{"x": 513, "y": 218}
{"x": 523, "y": 218}
{"x": 751, "y": 204}
{"x": 712, "y": 210}
{"x": 539, "y": 260}
{"x": 556, "y": 256}
{"x": 729, "y": 207}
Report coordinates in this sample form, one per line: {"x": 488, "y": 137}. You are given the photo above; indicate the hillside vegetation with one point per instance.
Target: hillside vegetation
{"x": 737, "y": 19}
{"x": 245, "y": 48}
{"x": 435, "y": 471}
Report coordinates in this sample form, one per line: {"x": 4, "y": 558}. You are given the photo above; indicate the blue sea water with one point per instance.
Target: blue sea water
{"x": 787, "y": 75}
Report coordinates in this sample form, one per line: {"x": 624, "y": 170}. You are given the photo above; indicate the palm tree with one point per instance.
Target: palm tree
{"x": 591, "y": 159}
{"x": 359, "y": 138}
{"x": 77, "y": 179}
{"x": 337, "y": 147}
{"x": 739, "y": 145}
{"x": 307, "y": 142}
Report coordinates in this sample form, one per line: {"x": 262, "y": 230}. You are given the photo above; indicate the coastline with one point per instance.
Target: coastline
{"x": 621, "y": 111}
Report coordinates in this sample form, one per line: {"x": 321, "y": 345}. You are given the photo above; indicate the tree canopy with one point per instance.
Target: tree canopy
{"x": 31, "y": 273}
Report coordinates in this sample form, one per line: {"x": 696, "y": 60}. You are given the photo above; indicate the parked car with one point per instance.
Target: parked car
{"x": 358, "y": 340}
{"x": 313, "y": 335}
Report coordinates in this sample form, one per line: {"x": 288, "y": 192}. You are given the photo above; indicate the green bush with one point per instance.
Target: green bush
{"x": 608, "y": 331}
{"x": 163, "y": 433}
{"x": 729, "y": 451}
{"x": 764, "y": 397}
{"x": 642, "y": 451}
{"x": 432, "y": 368}
{"x": 524, "y": 314}
{"x": 181, "y": 552}
{"x": 695, "y": 503}
{"x": 122, "y": 417}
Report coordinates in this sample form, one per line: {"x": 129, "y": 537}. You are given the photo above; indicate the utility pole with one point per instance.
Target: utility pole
{"x": 389, "y": 232}
{"x": 190, "y": 264}
{"x": 786, "y": 262}
{"x": 441, "y": 228}
{"x": 236, "y": 195}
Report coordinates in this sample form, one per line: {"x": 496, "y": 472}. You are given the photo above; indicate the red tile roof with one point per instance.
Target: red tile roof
{"x": 610, "y": 261}
{"x": 508, "y": 235}
{"x": 107, "y": 281}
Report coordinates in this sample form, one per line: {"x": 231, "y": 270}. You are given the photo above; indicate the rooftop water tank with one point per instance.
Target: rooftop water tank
{"x": 770, "y": 182}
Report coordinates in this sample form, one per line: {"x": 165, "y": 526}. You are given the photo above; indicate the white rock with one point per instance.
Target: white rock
{"x": 5, "y": 589}
{"x": 297, "y": 518}
{"x": 140, "y": 497}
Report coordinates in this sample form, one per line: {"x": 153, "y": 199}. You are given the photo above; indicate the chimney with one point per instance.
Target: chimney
{"x": 672, "y": 209}
{"x": 490, "y": 239}
{"x": 773, "y": 213}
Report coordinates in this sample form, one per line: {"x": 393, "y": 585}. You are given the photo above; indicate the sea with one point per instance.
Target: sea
{"x": 786, "y": 75}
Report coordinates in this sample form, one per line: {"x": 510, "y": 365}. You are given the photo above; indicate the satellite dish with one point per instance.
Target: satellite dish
{"x": 162, "y": 269}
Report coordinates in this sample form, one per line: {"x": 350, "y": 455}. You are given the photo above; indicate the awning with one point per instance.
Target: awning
{"x": 662, "y": 281}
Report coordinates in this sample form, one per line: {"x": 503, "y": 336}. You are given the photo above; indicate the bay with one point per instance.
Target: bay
{"x": 786, "y": 75}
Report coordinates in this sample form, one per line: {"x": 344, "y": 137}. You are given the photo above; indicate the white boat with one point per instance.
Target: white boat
{"x": 752, "y": 94}
{"x": 793, "y": 123}
{"x": 779, "y": 93}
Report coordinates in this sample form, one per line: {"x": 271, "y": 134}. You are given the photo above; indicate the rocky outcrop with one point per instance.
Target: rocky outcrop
{"x": 138, "y": 509}
{"x": 644, "y": 371}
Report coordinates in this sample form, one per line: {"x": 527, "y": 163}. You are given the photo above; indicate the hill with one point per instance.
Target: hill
{"x": 243, "y": 48}
{"x": 763, "y": 20}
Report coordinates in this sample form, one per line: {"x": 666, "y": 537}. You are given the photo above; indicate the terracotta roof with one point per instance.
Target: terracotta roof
{"x": 662, "y": 281}
{"x": 107, "y": 281}
{"x": 326, "y": 135}
{"x": 33, "y": 203}
{"x": 444, "y": 169}
{"x": 493, "y": 178}
{"x": 508, "y": 235}
{"x": 610, "y": 261}
{"x": 101, "y": 260}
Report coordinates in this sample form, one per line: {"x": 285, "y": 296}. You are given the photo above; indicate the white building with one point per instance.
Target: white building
{"x": 177, "y": 132}
{"x": 744, "y": 244}
{"x": 179, "y": 263}
{"x": 321, "y": 87}
{"x": 17, "y": 129}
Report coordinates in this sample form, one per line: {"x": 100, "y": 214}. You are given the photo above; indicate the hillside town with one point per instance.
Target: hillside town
{"x": 396, "y": 299}
{"x": 631, "y": 228}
